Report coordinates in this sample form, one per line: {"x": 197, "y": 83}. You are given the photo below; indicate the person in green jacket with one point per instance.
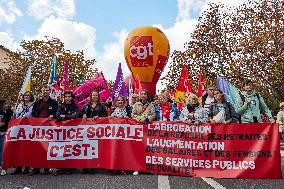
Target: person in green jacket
{"x": 250, "y": 105}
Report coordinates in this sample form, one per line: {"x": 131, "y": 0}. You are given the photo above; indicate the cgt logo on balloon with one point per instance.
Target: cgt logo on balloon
{"x": 87, "y": 149}
{"x": 141, "y": 51}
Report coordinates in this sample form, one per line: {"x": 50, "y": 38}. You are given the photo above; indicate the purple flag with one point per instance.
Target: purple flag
{"x": 119, "y": 88}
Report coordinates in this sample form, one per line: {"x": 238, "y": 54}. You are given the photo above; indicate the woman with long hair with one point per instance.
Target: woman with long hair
{"x": 94, "y": 108}
{"x": 221, "y": 111}
{"x": 24, "y": 109}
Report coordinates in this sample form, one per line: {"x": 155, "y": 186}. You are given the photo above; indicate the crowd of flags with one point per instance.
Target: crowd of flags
{"x": 184, "y": 88}
{"x": 180, "y": 95}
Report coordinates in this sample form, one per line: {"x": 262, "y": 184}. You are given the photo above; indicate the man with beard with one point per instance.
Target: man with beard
{"x": 45, "y": 107}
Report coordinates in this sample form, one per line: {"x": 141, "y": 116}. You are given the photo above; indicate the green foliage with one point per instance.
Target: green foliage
{"x": 38, "y": 54}
{"x": 241, "y": 43}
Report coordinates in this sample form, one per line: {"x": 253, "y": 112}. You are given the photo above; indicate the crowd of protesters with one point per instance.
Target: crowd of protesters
{"x": 214, "y": 108}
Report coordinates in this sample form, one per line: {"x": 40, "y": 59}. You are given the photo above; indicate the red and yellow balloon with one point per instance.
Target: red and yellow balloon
{"x": 146, "y": 51}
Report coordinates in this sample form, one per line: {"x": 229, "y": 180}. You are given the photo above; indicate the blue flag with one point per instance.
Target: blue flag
{"x": 119, "y": 88}
{"x": 231, "y": 92}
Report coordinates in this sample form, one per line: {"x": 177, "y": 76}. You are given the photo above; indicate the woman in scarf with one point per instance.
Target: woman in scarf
{"x": 192, "y": 113}
{"x": 166, "y": 111}
{"x": 121, "y": 110}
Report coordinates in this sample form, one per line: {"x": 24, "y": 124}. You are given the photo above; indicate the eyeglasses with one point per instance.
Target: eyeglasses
{"x": 68, "y": 96}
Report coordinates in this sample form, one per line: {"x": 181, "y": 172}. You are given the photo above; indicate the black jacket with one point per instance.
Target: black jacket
{"x": 6, "y": 117}
{"x": 69, "y": 110}
{"x": 204, "y": 99}
{"x": 230, "y": 113}
{"x": 99, "y": 110}
{"x": 52, "y": 107}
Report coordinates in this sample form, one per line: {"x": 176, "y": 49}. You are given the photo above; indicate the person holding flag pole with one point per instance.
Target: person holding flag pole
{"x": 26, "y": 86}
{"x": 23, "y": 109}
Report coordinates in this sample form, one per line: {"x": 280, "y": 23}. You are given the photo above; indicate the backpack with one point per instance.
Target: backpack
{"x": 243, "y": 97}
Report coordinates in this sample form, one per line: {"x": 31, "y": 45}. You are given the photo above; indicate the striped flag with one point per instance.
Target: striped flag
{"x": 27, "y": 81}
{"x": 54, "y": 82}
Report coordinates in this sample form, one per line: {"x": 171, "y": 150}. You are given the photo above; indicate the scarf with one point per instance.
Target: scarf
{"x": 166, "y": 109}
{"x": 145, "y": 104}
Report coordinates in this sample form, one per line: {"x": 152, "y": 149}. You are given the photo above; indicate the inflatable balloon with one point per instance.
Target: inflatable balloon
{"x": 146, "y": 52}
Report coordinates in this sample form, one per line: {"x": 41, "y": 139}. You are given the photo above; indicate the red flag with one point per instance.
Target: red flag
{"x": 138, "y": 86}
{"x": 201, "y": 87}
{"x": 184, "y": 88}
{"x": 66, "y": 82}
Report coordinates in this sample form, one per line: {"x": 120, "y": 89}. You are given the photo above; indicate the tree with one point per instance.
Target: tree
{"x": 237, "y": 43}
{"x": 38, "y": 54}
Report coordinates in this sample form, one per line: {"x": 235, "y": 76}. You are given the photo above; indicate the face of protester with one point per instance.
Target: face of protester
{"x": 134, "y": 99}
{"x": 163, "y": 99}
{"x": 248, "y": 88}
{"x": 218, "y": 96}
{"x": 143, "y": 95}
{"x": 210, "y": 91}
{"x": 27, "y": 97}
{"x": 45, "y": 92}
{"x": 95, "y": 97}
{"x": 68, "y": 98}
{"x": 167, "y": 93}
{"x": 192, "y": 100}
{"x": 120, "y": 102}
{"x": 156, "y": 101}
{"x": 6, "y": 105}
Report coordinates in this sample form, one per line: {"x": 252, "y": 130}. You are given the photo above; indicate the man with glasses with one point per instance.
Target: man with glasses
{"x": 250, "y": 105}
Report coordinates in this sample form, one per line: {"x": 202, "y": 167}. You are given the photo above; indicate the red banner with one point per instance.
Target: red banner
{"x": 174, "y": 148}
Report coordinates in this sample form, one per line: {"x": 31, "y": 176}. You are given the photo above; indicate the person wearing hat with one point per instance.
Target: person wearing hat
{"x": 280, "y": 120}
